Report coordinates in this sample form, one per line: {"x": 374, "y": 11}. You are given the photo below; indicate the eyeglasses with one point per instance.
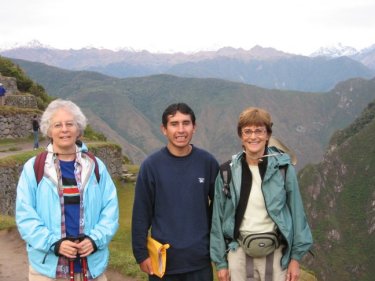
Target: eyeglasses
{"x": 60, "y": 125}
{"x": 256, "y": 132}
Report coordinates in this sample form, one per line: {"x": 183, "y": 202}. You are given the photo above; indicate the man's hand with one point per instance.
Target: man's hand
{"x": 146, "y": 266}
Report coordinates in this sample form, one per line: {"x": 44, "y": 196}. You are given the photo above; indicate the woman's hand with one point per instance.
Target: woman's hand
{"x": 293, "y": 271}
{"x": 85, "y": 247}
{"x": 68, "y": 249}
{"x": 223, "y": 275}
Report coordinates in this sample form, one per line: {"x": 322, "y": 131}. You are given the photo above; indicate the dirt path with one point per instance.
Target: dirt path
{"x": 13, "y": 259}
{"x": 19, "y": 148}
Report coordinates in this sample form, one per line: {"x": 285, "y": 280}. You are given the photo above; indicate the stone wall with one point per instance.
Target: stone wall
{"x": 10, "y": 85}
{"x": 110, "y": 154}
{"x": 8, "y": 184}
{"x": 21, "y": 101}
{"x": 16, "y": 124}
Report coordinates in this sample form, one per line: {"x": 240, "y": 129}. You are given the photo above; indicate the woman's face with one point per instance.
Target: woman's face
{"x": 254, "y": 140}
{"x": 63, "y": 131}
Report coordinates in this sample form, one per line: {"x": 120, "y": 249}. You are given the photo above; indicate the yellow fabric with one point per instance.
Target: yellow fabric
{"x": 158, "y": 255}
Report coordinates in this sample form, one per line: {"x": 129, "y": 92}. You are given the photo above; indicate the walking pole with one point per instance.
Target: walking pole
{"x": 84, "y": 268}
{"x": 71, "y": 269}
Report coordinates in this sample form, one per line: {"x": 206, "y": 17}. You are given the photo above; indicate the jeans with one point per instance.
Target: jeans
{"x": 36, "y": 139}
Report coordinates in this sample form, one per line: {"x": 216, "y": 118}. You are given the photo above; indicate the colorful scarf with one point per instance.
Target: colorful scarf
{"x": 62, "y": 270}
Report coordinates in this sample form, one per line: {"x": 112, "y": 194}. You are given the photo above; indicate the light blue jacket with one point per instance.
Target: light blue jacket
{"x": 38, "y": 214}
{"x": 284, "y": 206}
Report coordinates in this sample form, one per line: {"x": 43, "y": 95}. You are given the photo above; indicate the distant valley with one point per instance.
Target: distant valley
{"x": 129, "y": 110}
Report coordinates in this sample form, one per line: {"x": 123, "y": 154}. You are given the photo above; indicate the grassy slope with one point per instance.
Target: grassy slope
{"x": 121, "y": 257}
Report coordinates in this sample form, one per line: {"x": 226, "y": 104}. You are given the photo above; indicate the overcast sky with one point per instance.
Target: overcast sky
{"x": 294, "y": 26}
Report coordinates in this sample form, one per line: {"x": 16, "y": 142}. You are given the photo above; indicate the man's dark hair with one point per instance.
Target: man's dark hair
{"x": 172, "y": 110}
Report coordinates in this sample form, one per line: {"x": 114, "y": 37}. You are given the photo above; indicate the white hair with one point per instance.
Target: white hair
{"x": 53, "y": 107}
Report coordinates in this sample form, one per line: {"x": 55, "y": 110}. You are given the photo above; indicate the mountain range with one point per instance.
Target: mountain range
{"x": 129, "y": 110}
{"x": 263, "y": 67}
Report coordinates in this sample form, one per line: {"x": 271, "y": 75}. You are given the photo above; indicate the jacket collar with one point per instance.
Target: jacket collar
{"x": 51, "y": 156}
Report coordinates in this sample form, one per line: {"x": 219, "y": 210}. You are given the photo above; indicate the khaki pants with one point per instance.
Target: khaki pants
{"x": 35, "y": 276}
{"x": 237, "y": 266}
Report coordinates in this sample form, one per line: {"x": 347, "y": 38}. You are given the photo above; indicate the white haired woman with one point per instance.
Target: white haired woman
{"x": 68, "y": 218}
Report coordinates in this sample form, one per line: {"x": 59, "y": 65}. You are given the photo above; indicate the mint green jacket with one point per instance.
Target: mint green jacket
{"x": 284, "y": 206}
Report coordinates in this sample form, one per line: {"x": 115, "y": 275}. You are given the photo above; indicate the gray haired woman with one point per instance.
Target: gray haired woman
{"x": 68, "y": 217}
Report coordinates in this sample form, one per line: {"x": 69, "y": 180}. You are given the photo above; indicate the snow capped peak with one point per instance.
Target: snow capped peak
{"x": 335, "y": 51}
{"x": 368, "y": 49}
{"x": 33, "y": 44}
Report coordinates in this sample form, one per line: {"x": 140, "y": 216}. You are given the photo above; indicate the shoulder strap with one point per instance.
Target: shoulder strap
{"x": 40, "y": 159}
{"x": 92, "y": 156}
{"x": 226, "y": 175}
{"x": 283, "y": 171}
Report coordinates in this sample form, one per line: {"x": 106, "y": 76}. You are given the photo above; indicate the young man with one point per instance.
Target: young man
{"x": 172, "y": 198}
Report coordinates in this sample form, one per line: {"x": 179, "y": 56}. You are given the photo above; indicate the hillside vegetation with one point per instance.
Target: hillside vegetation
{"x": 24, "y": 83}
{"x": 340, "y": 199}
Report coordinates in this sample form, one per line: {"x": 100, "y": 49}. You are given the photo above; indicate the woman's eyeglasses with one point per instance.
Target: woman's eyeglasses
{"x": 60, "y": 125}
{"x": 257, "y": 132}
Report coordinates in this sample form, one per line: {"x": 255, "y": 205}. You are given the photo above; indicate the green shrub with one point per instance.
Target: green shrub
{"x": 24, "y": 83}
{"x": 92, "y": 135}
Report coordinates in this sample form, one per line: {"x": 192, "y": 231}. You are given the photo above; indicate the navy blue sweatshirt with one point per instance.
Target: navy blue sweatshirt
{"x": 172, "y": 198}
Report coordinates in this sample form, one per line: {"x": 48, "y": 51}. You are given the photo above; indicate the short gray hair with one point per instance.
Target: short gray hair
{"x": 53, "y": 107}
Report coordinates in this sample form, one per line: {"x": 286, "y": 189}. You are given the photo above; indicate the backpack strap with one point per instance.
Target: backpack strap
{"x": 226, "y": 176}
{"x": 283, "y": 170}
{"x": 40, "y": 160}
{"x": 92, "y": 156}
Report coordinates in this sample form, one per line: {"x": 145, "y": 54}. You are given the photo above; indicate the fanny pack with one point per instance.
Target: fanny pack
{"x": 260, "y": 244}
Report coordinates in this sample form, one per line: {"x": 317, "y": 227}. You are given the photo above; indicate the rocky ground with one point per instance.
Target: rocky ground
{"x": 14, "y": 264}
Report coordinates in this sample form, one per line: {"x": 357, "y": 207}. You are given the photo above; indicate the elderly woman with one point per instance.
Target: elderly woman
{"x": 68, "y": 218}
{"x": 259, "y": 228}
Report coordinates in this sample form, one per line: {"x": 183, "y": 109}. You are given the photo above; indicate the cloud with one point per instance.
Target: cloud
{"x": 169, "y": 25}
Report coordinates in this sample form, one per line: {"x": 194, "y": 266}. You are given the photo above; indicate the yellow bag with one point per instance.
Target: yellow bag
{"x": 158, "y": 255}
